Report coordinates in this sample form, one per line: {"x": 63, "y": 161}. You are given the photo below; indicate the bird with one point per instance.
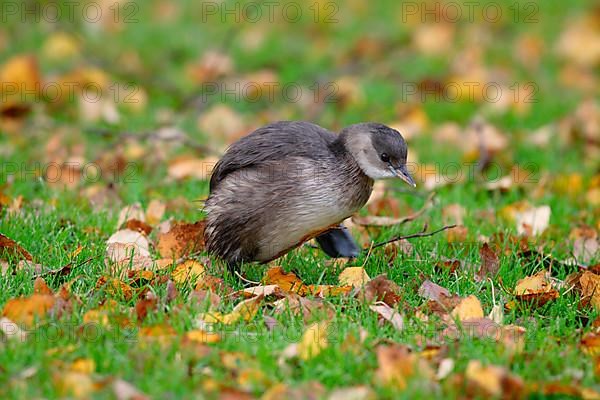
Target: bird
{"x": 290, "y": 181}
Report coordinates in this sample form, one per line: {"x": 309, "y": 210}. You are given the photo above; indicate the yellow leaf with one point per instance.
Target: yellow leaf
{"x": 188, "y": 270}
{"x": 83, "y": 365}
{"x": 61, "y": 45}
{"x": 354, "y": 276}
{"x": 245, "y": 310}
{"x": 314, "y": 340}
{"x": 201, "y": 336}
{"x": 24, "y": 310}
{"x": 488, "y": 378}
{"x": 468, "y": 308}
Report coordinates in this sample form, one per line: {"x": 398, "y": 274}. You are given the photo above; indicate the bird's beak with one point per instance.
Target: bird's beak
{"x": 403, "y": 174}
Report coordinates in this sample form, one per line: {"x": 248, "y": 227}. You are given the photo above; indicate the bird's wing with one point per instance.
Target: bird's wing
{"x": 273, "y": 142}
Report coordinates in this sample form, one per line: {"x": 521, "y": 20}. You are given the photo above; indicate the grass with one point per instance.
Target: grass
{"x": 53, "y": 222}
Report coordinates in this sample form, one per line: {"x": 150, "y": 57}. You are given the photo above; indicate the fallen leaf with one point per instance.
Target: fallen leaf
{"x": 380, "y": 289}
{"x": 126, "y": 391}
{"x": 493, "y": 380}
{"x": 314, "y": 340}
{"x": 354, "y": 276}
{"x": 187, "y": 271}
{"x": 201, "y": 336}
{"x": 468, "y": 308}
{"x": 264, "y": 290}
{"x": 439, "y": 294}
{"x": 245, "y": 310}
{"x": 188, "y": 167}
{"x": 155, "y": 212}
{"x": 25, "y": 310}
{"x": 133, "y": 211}
{"x": 490, "y": 263}
{"x": 590, "y": 288}
{"x": 397, "y": 364}
{"x": 389, "y": 314}
{"x": 353, "y": 393}
{"x": 11, "y": 249}
{"x": 310, "y": 309}
{"x": 181, "y": 240}
{"x": 535, "y": 289}
{"x": 115, "y": 288}
{"x": 125, "y": 244}
{"x": 288, "y": 282}
{"x": 11, "y": 330}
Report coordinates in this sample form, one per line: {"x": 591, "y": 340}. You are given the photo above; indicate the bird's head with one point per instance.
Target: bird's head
{"x": 379, "y": 150}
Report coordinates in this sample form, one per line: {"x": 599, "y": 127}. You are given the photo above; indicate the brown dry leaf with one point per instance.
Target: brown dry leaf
{"x": 288, "y": 282}
{"x": 40, "y": 287}
{"x": 493, "y": 380}
{"x": 468, "y": 308}
{"x": 354, "y": 276}
{"x": 125, "y": 244}
{"x": 72, "y": 384}
{"x": 380, "y": 289}
{"x": 124, "y": 390}
{"x": 25, "y": 310}
{"x": 536, "y": 289}
{"x": 222, "y": 122}
{"x": 580, "y": 41}
{"x": 590, "y": 344}
{"x": 188, "y": 271}
{"x": 439, "y": 294}
{"x": 453, "y": 214}
{"x": 245, "y": 310}
{"x": 590, "y": 288}
{"x": 389, "y": 314}
{"x": 114, "y": 287}
{"x": 310, "y": 309}
{"x": 189, "y": 167}
{"x": 145, "y": 305}
{"x": 353, "y": 393}
{"x": 327, "y": 290}
{"x": 162, "y": 334}
{"x": 10, "y": 249}
{"x": 181, "y": 240}
{"x": 211, "y": 66}
{"x": 201, "y": 336}
{"x": 490, "y": 263}
{"x": 138, "y": 226}
{"x": 19, "y": 75}
{"x": 133, "y": 211}
{"x": 264, "y": 290}
{"x": 457, "y": 234}
{"x": 305, "y": 391}
{"x": 397, "y": 364}
{"x": 155, "y": 212}
{"x": 434, "y": 39}
{"x": 314, "y": 340}
{"x": 529, "y": 220}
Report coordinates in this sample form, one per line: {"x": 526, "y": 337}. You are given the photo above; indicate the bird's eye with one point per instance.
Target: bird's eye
{"x": 385, "y": 157}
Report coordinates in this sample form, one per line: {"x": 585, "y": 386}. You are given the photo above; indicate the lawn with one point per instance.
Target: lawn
{"x": 113, "y": 113}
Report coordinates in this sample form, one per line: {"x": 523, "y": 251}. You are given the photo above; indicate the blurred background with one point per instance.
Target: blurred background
{"x": 116, "y": 100}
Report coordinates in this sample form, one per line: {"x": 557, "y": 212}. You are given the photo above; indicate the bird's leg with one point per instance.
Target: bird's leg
{"x": 338, "y": 242}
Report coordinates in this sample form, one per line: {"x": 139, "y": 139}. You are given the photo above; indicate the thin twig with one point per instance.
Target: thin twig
{"x": 245, "y": 279}
{"x": 423, "y": 233}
